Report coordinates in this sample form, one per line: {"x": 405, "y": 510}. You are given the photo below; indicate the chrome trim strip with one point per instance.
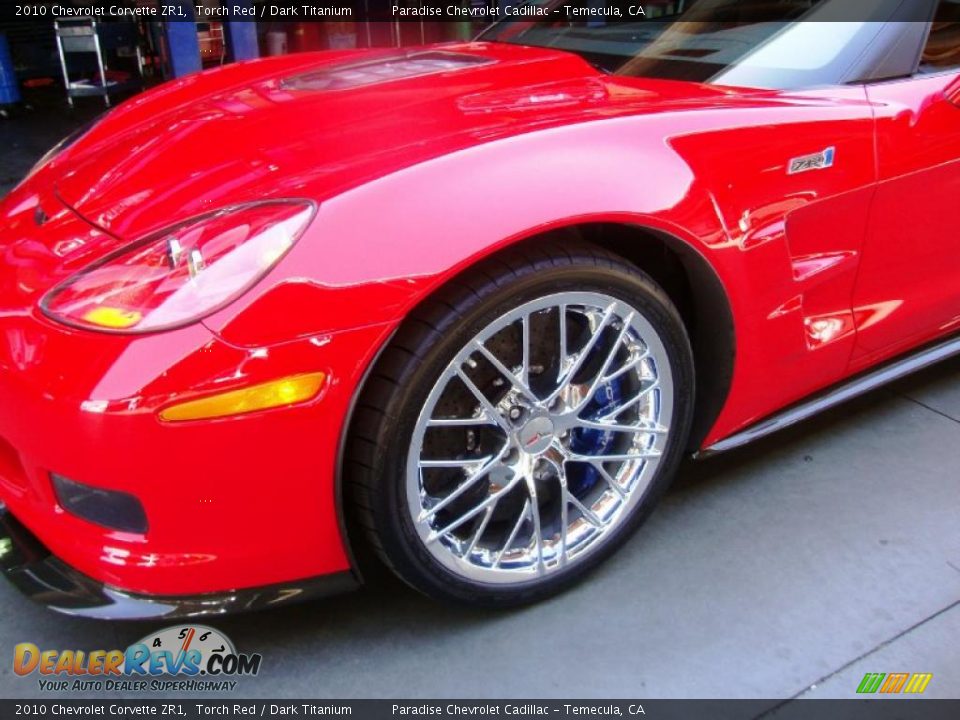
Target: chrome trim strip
{"x": 837, "y": 395}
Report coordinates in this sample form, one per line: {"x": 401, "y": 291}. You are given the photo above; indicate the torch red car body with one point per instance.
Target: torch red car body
{"x": 801, "y": 279}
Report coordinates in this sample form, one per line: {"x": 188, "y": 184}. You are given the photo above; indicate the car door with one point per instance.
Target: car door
{"x": 908, "y": 287}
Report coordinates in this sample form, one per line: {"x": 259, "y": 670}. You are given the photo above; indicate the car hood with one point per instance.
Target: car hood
{"x": 313, "y": 125}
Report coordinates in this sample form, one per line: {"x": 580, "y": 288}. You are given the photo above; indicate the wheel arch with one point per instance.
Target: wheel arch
{"x": 680, "y": 269}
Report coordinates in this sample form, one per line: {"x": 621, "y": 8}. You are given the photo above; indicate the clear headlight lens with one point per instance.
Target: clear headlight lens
{"x": 180, "y": 275}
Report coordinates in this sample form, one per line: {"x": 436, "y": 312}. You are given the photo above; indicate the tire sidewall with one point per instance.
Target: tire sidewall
{"x": 402, "y": 543}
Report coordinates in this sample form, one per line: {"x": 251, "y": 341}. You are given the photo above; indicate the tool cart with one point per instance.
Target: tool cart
{"x": 108, "y": 45}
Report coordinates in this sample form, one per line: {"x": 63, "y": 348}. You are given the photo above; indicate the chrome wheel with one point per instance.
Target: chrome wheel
{"x": 539, "y": 437}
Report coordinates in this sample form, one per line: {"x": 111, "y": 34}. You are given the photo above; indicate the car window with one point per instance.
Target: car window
{"x": 942, "y": 51}
{"x": 683, "y": 40}
{"x": 752, "y": 43}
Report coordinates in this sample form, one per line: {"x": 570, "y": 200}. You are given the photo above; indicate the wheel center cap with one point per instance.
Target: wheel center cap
{"x": 536, "y": 435}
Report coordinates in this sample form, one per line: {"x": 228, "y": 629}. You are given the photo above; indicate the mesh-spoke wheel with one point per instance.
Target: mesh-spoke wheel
{"x": 520, "y": 427}
{"x": 539, "y": 436}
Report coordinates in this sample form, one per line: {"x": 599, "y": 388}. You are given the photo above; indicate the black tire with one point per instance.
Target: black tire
{"x": 395, "y": 393}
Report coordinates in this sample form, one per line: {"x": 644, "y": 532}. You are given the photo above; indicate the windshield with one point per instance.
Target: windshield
{"x": 747, "y": 42}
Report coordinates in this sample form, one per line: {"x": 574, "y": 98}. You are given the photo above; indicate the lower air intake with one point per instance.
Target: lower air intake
{"x": 109, "y": 508}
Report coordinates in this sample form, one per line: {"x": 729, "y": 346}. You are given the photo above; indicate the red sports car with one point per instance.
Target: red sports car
{"x": 466, "y": 306}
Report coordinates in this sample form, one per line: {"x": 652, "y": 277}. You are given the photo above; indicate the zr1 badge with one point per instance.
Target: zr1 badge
{"x": 817, "y": 161}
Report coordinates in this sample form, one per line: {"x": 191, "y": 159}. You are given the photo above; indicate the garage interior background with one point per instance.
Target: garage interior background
{"x": 139, "y": 53}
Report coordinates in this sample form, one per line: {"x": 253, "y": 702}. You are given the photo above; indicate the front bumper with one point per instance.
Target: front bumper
{"x": 51, "y": 582}
{"x": 246, "y": 501}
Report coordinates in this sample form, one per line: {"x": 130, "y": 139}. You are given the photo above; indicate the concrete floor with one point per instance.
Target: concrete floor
{"x": 784, "y": 570}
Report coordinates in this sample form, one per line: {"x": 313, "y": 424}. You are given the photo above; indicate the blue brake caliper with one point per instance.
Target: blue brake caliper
{"x": 588, "y": 441}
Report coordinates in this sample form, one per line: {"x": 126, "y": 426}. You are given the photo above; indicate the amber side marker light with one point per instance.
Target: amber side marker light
{"x": 276, "y": 393}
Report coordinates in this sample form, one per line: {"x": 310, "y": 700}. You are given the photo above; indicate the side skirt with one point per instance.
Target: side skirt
{"x": 864, "y": 383}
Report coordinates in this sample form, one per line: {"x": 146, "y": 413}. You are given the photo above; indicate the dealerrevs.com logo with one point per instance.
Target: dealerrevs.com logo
{"x": 199, "y": 657}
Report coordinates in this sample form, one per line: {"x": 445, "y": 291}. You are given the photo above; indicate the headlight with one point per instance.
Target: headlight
{"x": 182, "y": 274}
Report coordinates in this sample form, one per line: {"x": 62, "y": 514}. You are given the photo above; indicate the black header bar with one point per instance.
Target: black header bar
{"x": 482, "y": 11}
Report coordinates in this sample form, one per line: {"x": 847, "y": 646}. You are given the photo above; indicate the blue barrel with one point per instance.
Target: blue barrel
{"x": 9, "y": 89}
